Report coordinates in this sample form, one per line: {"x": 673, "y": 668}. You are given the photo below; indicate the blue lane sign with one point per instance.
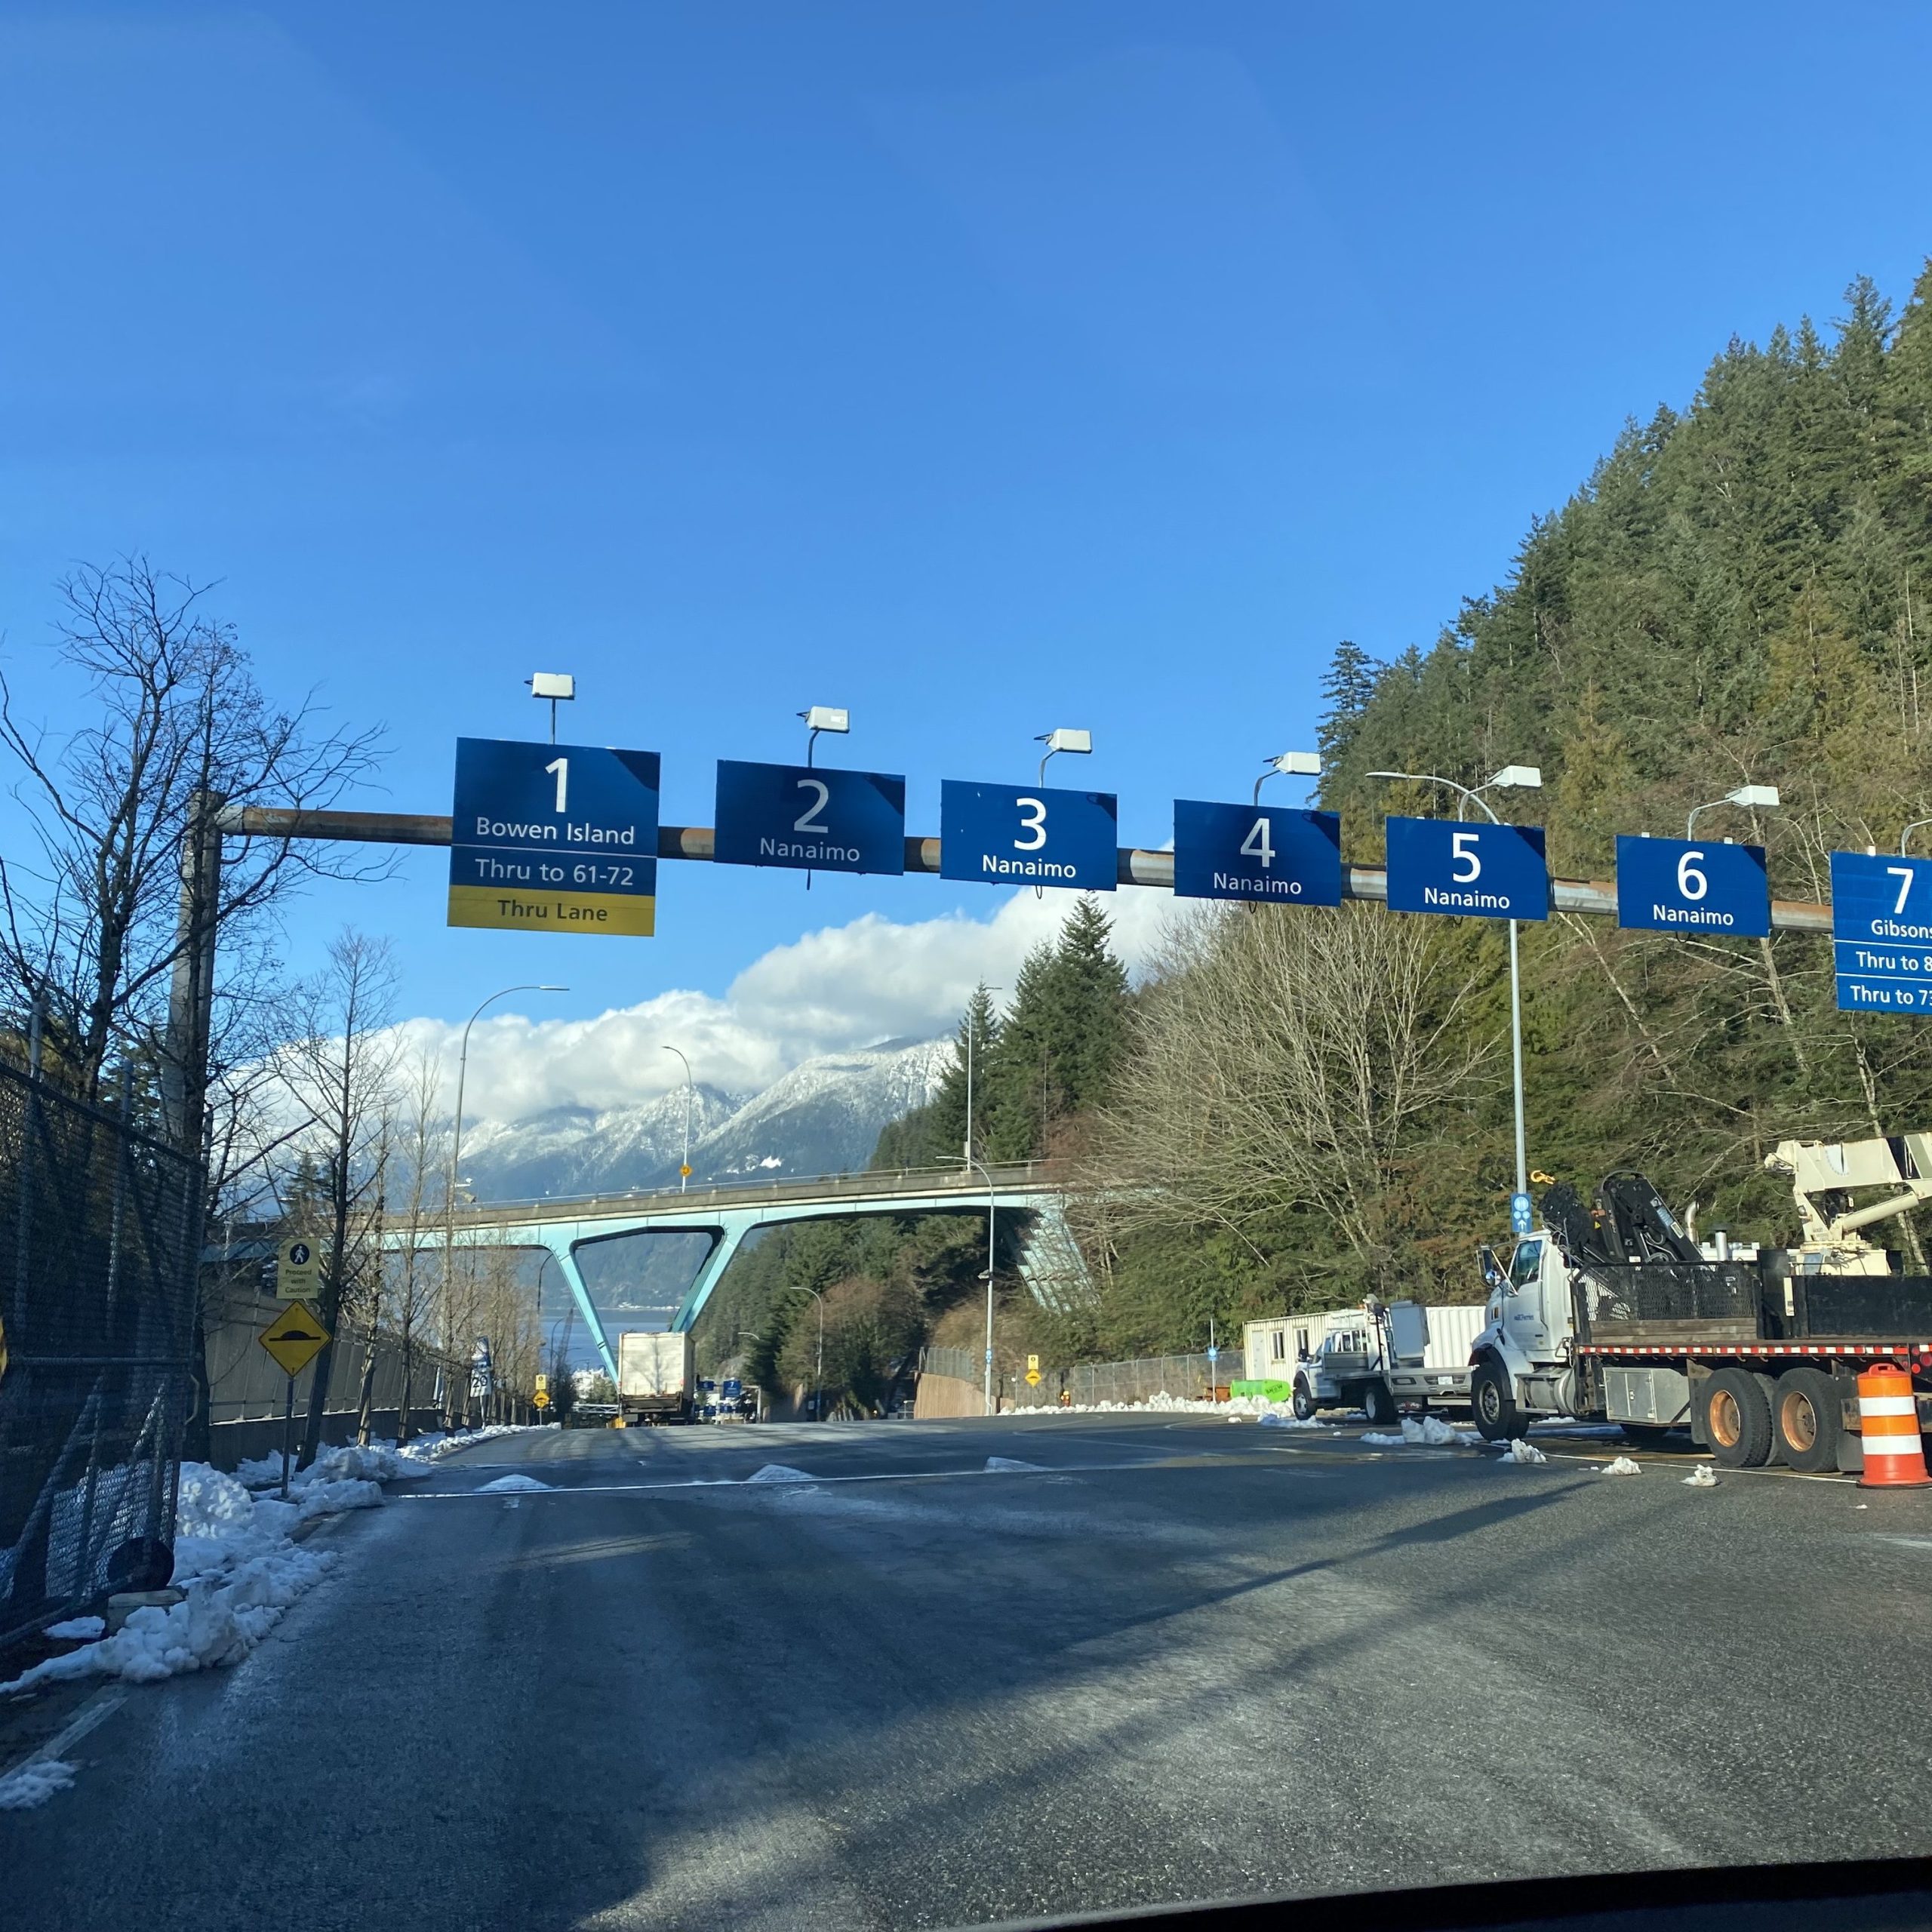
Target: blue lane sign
{"x": 554, "y": 837}
{"x": 1881, "y": 932}
{"x": 1668, "y": 885}
{"x": 1028, "y": 835}
{"x": 810, "y": 820}
{"x": 1483, "y": 872}
{"x": 1271, "y": 852}
{"x": 1522, "y": 1214}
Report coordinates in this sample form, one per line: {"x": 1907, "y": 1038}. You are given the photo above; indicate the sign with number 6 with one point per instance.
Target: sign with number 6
{"x": 1693, "y": 884}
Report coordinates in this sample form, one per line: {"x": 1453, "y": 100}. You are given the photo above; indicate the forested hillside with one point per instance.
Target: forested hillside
{"x": 1300, "y": 1107}
{"x": 1317, "y": 1103}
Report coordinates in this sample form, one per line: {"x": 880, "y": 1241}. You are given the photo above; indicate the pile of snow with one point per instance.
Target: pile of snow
{"x": 1237, "y": 1408}
{"x": 378, "y": 1462}
{"x": 431, "y": 1448}
{"x": 1426, "y": 1432}
{"x": 236, "y": 1559}
{"x": 79, "y": 1629}
{"x": 1622, "y": 1466}
{"x": 1700, "y": 1477}
{"x": 1522, "y": 1450}
{"x": 780, "y": 1472}
{"x": 1282, "y": 1418}
{"x": 519, "y": 1483}
{"x": 34, "y": 1784}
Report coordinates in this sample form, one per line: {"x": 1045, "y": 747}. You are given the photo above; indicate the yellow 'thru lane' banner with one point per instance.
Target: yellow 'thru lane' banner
{"x": 630, "y": 915}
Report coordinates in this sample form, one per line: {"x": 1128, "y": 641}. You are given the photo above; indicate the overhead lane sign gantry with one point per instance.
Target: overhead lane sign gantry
{"x": 1693, "y": 885}
{"x": 1881, "y": 932}
{"x": 810, "y": 819}
{"x": 1028, "y": 835}
{"x": 1270, "y": 853}
{"x": 554, "y": 837}
{"x": 1483, "y": 871}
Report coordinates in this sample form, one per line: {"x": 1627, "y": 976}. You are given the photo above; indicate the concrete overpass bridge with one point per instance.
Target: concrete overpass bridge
{"x": 564, "y": 1228}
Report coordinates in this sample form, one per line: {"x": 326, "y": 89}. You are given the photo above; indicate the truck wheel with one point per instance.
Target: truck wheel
{"x": 1303, "y": 1403}
{"x": 1737, "y": 1419}
{"x": 1806, "y": 1416}
{"x": 1377, "y": 1403}
{"x": 1493, "y": 1403}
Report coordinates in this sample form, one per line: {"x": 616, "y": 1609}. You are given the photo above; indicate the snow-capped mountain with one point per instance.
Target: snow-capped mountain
{"x": 824, "y": 1117}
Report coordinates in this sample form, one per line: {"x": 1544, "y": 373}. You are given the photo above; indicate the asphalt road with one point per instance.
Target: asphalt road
{"x": 1181, "y": 1660}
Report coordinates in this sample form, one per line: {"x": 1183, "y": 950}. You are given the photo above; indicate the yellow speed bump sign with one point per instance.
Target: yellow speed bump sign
{"x": 295, "y": 1338}
{"x": 541, "y": 1398}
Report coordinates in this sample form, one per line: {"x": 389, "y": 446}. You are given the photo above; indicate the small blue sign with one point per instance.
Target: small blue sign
{"x": 553, "y": 838}
{"x": 1028, "y": 835}
{"x": 1691, "y": 884}
{"x": 1881, "y": 932}
{"x": 810, "y": 820}
{"x": 1522, "y": 1214}
{"x": 1273, "y": 853}
{"x": 1482, "y": 872}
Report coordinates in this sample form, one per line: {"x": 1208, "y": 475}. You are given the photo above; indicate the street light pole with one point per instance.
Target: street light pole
{"x": 691, "y": 1092}
{"x": 1526, "y": 777}
{"x": 992, "y": 1224}
{"x": 455, "y": 1150}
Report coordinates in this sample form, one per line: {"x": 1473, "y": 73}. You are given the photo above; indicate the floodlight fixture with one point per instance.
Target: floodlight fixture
{"x": 1289, "y": 764}
{"x": 1066, "y": 739}
{"x": 1750, "y": 798}
{"x": 558, "y": 687}
{"x": 826, "y": 718}
{"x": 1517, "y": 778}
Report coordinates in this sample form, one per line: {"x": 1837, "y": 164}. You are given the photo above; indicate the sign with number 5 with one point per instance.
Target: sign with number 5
{"x": 1667, "y": 885}
{"x": 1481, "y": 871}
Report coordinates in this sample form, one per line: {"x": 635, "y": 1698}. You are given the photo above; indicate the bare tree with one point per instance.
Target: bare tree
{"x": 412, "y": 1281}
{"x": 90, "y": 931}
{"x": 338, "y": 1068}
{"x": 1281, "y": 1059}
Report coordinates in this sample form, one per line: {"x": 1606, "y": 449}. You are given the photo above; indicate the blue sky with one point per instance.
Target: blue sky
{"x": 980, "y": 368}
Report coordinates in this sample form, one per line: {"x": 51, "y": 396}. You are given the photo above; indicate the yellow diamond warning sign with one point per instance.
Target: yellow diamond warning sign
{"x": 295, "y": 1338}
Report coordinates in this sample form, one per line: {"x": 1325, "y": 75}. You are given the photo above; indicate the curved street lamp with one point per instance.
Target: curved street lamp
{"x": 456, "y": 1132}
{"x": 1511, "y": 777}
{"x": 690, "y": 1093}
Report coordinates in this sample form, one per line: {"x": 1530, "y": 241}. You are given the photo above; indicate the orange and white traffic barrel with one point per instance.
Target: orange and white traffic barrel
{"x": 1888, "y": 1416}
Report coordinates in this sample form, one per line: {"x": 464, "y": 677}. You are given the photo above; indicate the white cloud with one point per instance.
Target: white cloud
{"x": 841, "y": 987}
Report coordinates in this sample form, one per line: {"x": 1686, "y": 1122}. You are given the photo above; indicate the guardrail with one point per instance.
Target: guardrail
{"x": 969, "y": 1183}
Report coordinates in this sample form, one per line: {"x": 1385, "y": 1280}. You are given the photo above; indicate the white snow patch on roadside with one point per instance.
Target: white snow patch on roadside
{"x": 1521, "y": 1450}
{"x": 235, "y": 1559}
{"x": 1426, "y": 1432}
{"x": 779, "y": 1472}
{"x": 1701, "y": 1477}
{"x": 78, "y": 1629}
{"x": 995, "y": 1465}
{"x": 1623, "y": 1466}
{"x": 520, "y": 1484}
{"x": 1283, "y": 1419}
{"x": 34, "y": 1784}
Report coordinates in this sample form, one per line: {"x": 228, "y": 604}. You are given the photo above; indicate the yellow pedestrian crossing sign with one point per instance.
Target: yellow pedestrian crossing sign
{"x": 295, "y": 1338}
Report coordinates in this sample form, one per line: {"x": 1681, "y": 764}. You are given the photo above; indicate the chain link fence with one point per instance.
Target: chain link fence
{"x": 99, "y": 1250}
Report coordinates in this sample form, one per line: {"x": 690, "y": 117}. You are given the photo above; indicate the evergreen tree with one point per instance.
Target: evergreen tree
{"x": 1346, "y": 693}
